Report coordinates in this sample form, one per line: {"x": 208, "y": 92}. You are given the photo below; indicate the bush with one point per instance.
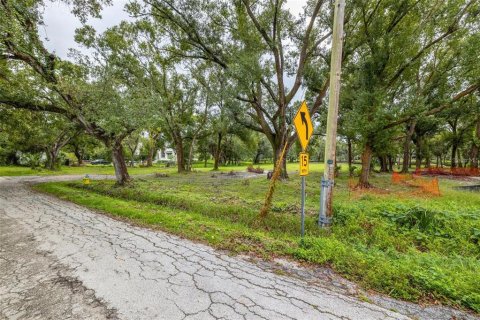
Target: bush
{"x": 33, "y": 160}
{"x": 352, "y": 170}
{"x": 421, "y": 218}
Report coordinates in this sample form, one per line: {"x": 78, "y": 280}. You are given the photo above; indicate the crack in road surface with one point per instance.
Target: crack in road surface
{"x": 62, "y": 261}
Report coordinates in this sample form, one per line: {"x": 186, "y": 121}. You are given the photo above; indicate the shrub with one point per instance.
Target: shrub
{"x": 421, "y": 218}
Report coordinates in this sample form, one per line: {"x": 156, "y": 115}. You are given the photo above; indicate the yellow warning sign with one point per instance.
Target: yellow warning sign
{"x": 303, "y": 164}
{"x": 303, "y": 125}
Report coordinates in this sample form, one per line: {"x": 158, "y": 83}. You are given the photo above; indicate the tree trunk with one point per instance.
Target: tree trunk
{"x": 390, "y": 163}
{"x": 476, "y": 147}
{"x": 453, "y": 163}
{"x": 256, "y": 159}
{"x": 153, "y": 147}
{"x": 216, "y": 160}
{"x": 132, "y": 160}
{"x": 276, "y": 155}
{"x": 406, "y": 147}
{"x": 350, "y": 156}
{"x": 54, "y": 150}
{"x": 180, "y": 155}
{"x": 406, "y": 156}
{"x": 133, "y": 150}
{"x": 190, "y": 155}
{"x": 418, "y": 155}
{"x": 52, "y": 158}
{"x": 459, "y": 158}
{"x": 150, "y": 155}
{"x": 428, "y": 161}
{"x": 78, "y": 155}
{"x": 48, "y": 163}
{"x": 121, "y": 172}
{"x": 366, "y": 161}
{"x": 383, "y": 164}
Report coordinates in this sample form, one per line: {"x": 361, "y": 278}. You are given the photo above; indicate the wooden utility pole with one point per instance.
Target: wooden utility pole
{"x": 331, "y": 137}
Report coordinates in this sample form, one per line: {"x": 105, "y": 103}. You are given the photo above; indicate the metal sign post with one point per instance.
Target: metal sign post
{"x": 304, "y": 127}
{"x": 302, "y": 232}
{"x": 303, "y": 173}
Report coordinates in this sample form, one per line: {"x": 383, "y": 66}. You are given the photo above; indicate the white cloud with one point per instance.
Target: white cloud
{"x": 60, "y": 25}
{"x": 295, "y": 6}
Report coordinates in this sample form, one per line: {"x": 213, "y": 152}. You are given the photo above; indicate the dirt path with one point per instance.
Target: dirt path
{"x": 62, "y": 261}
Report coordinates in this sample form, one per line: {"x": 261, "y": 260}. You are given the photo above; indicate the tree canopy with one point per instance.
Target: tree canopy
{"x": 195, "y": 72}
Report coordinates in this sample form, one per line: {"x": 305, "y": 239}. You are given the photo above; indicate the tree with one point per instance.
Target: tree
{"x": 90, "y": 95}
{"x": 151, "y": 143}
{"x": 179, "y": 102}
{"x": 424, "y": 127}
{"x": 263, "y": 150}
{"x": 54, "y": 133}
{"x": 133, "y": 143}
{"x": 38, "y": 133}
{"x": 82, "y": 145}
{"x": 385, "y": 69}
{"x": 258, "y": 44}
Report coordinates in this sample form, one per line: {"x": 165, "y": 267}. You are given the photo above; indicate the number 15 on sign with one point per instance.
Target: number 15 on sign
{"x": 303, "y": 164}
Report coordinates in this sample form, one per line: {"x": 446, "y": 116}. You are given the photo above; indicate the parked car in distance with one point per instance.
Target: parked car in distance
{"x": 99, "y": 161}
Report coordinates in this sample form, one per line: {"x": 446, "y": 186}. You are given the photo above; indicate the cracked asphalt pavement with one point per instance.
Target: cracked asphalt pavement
{"x": 62, "y": 261}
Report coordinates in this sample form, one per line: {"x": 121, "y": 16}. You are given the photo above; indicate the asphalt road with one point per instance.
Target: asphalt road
{"x": 62, "y": 261}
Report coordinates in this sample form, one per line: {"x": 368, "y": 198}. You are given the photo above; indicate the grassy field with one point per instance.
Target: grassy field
{"x": 95, "y": 169}
{"x": 108, "y": 169}
{"x": 393, "y": 239}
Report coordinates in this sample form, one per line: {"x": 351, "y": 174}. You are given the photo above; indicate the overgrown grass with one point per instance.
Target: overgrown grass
{"x": 394, "y": 239}
{"x": 109, "y": 170}
{"x": 89, "y": 169}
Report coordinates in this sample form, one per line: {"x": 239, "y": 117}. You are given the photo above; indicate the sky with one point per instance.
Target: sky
{"x": 60, "y": 24}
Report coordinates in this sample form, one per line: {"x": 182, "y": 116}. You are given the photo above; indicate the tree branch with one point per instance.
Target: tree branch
{"x": 34, "y": 106}
{"x": 303, "y": 53}
{"x": 451, "y": 29}
{"x": 433, "y": 111}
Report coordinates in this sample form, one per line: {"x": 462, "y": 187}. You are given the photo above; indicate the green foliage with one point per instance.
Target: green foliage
{"x": 32, "y": 160}
{"x": 416, "y": 217}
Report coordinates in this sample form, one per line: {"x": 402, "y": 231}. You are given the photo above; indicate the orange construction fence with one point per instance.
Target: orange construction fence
{"x": 425, "y": 184}
{"x": 462, "y": 172}
{"x": 400, "y": 177}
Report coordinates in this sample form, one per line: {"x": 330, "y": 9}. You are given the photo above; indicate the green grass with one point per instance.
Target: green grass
{"x": 395, "y": 239}
{"x": 89, "y": 169}
{"x": 108, "y": 169}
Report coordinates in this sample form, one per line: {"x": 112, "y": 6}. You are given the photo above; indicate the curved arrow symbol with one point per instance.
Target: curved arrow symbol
{"x": 304, "y": 121}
